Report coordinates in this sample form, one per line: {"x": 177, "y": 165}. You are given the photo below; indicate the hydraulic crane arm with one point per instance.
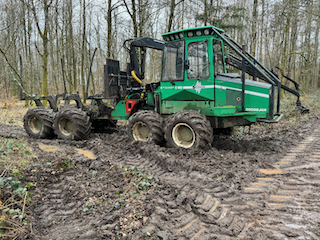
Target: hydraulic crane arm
{"x": 143, "y": 43}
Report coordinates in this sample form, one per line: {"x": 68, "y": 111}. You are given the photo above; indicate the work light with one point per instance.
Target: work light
{"x": 206, "y": 32}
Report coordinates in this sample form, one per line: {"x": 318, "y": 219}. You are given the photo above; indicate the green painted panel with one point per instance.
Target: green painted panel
{"x": 187, "y": 90}
{"x": 233, "y": 97}
{"x": 205, "y": 107}
{"x": 119, "y": 112}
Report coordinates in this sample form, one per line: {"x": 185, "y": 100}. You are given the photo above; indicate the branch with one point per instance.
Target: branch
{"x": 115, "y": 7}
{"x": 131, "y": 15}
{"x": 36, "y": 19}
{"x": 179, "y": 2}
{"x": 37, "y": 49}
{"x": 5, "y": 57}
{"x": 15, "y": 72}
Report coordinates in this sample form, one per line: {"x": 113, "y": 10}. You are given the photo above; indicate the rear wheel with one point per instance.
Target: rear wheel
{"x": 72, "y": 123}
{"x": 145, "y": 126}
{"x": 188, "y": 129}
{"x": 38, "y": 122}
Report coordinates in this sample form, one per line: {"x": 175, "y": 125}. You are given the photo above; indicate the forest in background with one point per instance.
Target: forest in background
{"x": 283, "y": 33}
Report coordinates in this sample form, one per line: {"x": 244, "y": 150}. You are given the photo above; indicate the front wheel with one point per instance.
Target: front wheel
{"x": 72, "y": 123}
{"x": 145, "y": 126}
{"x": 188, "y": 129}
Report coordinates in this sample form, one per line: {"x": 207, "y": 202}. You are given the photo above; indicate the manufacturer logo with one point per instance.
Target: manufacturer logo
{"x": 256, "y": 109}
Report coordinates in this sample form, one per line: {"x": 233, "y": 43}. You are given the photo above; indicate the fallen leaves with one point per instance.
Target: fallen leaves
{"x": 6, "y": 6}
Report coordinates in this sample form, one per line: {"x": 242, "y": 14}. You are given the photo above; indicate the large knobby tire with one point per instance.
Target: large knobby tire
{"x": 145, "y": 126}
{"x": 38, "y": 122}
{"x": 72, "y": 123}
{"x": 188, "y": 129}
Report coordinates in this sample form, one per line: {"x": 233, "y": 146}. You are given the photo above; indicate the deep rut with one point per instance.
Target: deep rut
{"x": 281, "y": 203}
{"x": 215, "y": 194}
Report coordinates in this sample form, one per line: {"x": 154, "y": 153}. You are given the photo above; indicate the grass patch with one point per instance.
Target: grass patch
{"x": 12, "y": 111}
{"x": 15, "y": 156}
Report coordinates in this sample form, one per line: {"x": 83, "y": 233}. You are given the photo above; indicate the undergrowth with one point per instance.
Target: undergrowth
{"x": 15, "y": 156}
{"x": 12, "y": 111}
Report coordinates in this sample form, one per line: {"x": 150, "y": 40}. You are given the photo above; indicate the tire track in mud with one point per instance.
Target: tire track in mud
{"x": 193, "y": 205}
{"x": 57, "y": 193}
{"x": 282, "y": 202}
{"x": 290, "y": 192}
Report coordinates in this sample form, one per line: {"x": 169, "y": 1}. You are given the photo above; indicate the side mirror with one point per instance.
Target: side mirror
{"x": 186, "y": 64}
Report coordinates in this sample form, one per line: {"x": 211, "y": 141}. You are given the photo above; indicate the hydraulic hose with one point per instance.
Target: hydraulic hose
{"x": 304, "y": 97}
{"x": 135, "y": 77}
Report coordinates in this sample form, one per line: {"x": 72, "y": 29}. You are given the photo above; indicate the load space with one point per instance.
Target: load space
{"x": 195, "y": 98}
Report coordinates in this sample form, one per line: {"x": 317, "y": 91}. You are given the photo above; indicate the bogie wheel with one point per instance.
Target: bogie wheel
{"x": 38, "y": 122}
{"x": 145, "y": 126}
{"x": 72, "y": 123}
{"x": 188, "y": 129}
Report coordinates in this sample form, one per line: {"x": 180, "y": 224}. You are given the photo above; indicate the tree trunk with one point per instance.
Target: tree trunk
{"x": 83, "y": 81}
{"x": 109, "y": 34}
{"x": 316, "y": 49}
{"x": 254, "y": 28}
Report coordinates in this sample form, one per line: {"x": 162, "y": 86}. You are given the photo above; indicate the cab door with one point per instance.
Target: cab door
{"x": 218, "y": 59}
{"x": 198, "y": 70}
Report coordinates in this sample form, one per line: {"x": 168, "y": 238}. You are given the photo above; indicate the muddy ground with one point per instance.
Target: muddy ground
{"x": 262, "y": 185}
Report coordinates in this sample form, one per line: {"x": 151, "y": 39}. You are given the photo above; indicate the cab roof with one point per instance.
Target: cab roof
{"x": 193, "y": 29}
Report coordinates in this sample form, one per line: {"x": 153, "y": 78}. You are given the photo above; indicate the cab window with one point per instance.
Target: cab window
{"x": 173, "y": 59}
{"x": 198, "y": 60}
{"x": 218, "y": 57}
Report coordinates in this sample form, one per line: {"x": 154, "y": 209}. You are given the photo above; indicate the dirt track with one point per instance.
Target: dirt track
{"x": 264, "y": 186}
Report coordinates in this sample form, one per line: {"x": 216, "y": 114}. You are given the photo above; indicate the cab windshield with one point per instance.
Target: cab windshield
{"x": 173, "y": 59}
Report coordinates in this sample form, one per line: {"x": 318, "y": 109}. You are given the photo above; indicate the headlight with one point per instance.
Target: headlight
{"x": 181, "y": 35}
{"x": 198, "y": 33}
{"x": 190, "y": 34}
{"x": 172, "y": 37}
{"x": 176, "y": 36}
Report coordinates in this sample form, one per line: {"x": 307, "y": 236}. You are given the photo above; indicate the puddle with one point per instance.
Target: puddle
{"x": 207, "y": 199}
{"x": 273, "y": 171}
{"x": 296, "y": 150}
{"x": 48, "y": 148}
{"x": 89, "y": 154}
{"x": 250, "y": 203}
{"x": 253, "y": 189}
{"x": 275, "y": 204}
{"x": 259, "y": 184}
{"x": 288, "y": 159}
{"x": 223, "y": 214}
{"x": 278, "y": 196}
{"x": 296, "y": 226}
{"x": 288, "y": 191}
{"x": 188, "y": 225}
{"x": 198, "y": 234}
{"x": 265, "y": 179}
{"x": 291, "y": 154}
{"x": 216, "y": 204}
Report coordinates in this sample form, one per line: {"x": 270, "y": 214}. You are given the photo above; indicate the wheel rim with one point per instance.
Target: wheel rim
{"x": 35, "y": 125}
{"x": 183, "y": 135}
{"x": 66, "y": 127}
{"x": 140, "y": 132}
